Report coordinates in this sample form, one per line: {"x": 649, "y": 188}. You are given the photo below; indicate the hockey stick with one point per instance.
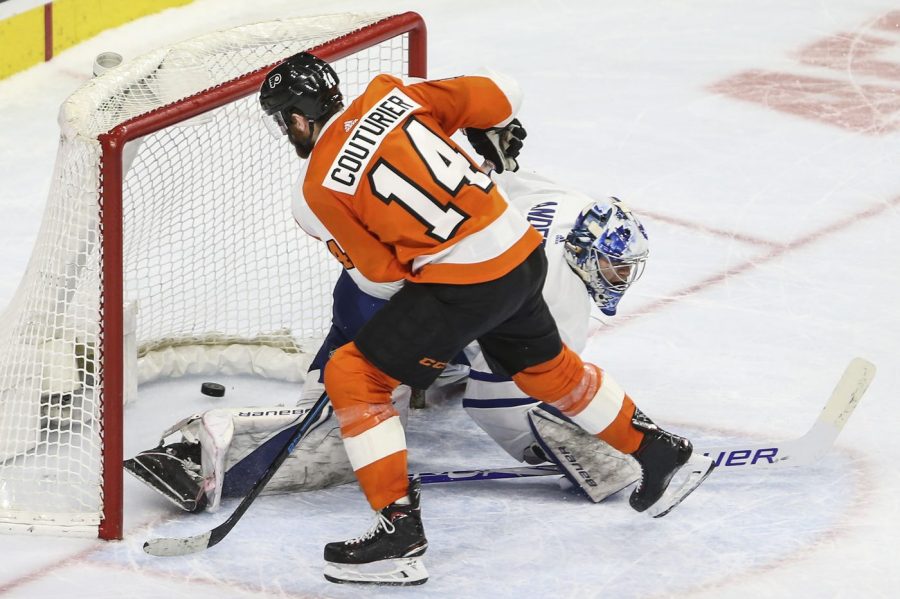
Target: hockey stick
{"x": 462, "y": 476}
{"x": 802, "y": 451}
{"x": 167, "y": 547}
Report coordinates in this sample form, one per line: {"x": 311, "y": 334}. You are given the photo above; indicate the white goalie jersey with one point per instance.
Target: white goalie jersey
{"x": 552, "y": 209}
{"x": 494, "y": 401}
{"x": 237, "y": 444}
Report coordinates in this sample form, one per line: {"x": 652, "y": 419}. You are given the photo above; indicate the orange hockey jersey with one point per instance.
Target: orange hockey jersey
{"x": 395, "y": 198}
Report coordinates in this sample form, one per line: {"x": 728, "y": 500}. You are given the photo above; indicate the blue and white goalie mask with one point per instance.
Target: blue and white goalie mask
{"x": 608, "y": 249}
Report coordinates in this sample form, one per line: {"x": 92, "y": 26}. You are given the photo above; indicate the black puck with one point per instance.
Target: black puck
{"x": 212, "y": 389}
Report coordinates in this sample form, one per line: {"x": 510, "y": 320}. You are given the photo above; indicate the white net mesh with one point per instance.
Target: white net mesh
{"x": 211, "y": 256}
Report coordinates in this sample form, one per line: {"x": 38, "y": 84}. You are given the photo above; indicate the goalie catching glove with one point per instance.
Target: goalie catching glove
{"x": 499, "y": 145}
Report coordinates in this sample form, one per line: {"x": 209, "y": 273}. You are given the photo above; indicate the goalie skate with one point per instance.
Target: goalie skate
{"x": 663, "y": 455}
{"x": 688, "y": 478}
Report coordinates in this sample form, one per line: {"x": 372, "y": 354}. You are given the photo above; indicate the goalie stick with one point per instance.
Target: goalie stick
{"x": 802, "y": 451}
{"x": 463, "y": 476}
{"x": 797, "y": 452}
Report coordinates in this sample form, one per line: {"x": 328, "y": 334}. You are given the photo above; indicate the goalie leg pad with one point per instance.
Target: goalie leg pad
{"x": 589, "y": 463}
{"x": 318, "y": 462}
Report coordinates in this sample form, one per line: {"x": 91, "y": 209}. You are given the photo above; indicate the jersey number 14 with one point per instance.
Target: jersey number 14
{"x": 449, "y": 168}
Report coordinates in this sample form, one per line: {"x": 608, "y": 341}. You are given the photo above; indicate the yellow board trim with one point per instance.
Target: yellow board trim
{"x": 21, "y": 41}
{"x": 22, "y": 36}
{"x": 77, "y": 20}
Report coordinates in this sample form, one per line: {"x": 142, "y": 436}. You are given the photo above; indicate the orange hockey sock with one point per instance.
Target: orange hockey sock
{"x": 587, "y": 395}
{"x": 371, "y": 429}
{"x": 553, "y": 379}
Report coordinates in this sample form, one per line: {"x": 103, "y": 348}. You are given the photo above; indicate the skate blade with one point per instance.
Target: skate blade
{"x": 689, "y": 477}
{"x": 389, "y": 572}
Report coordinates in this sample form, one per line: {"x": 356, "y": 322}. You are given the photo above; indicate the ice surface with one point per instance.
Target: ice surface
{"x": 772, "y": 215}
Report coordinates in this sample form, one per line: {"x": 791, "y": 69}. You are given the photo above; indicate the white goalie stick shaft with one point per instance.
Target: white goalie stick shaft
{"x": 802, "y": 451}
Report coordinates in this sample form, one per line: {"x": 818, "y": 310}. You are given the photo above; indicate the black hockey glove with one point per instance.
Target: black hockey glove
{"x": 499, "y": 145}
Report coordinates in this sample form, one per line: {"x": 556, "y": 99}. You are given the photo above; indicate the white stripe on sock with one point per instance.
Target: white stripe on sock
{"x": 380, "y": 441}
{"x": 603, "y": 408}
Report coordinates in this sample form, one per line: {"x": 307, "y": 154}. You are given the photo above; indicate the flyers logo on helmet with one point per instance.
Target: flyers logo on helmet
{"x": 274, "y": 79}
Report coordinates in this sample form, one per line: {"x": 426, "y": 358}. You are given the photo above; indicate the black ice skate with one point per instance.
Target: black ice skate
{"x": 389, "y": 553}
{"x": 661, "y": 456}
{"x": 172, "y": 471}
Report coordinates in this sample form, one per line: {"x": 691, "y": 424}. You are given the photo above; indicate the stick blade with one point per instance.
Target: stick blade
{"x": 165, "y": 547}
{"x": 844, "y": 398}
{"x": 817, "y": 441}
{"x": 848, "y": 393}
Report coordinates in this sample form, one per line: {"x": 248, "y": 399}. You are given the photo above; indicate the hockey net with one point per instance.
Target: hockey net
{"x": 167, "y": 247}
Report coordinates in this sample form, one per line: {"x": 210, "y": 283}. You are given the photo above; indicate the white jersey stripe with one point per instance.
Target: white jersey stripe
{"x": 380, "y": 441}
{"x": 484, "y": 245}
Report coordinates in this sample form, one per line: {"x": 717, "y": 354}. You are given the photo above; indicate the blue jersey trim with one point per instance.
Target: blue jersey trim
{"x": 510, "y": 402}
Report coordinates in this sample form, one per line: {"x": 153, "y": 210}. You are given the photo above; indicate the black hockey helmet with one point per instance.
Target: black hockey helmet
{"x": 303, "y": 83}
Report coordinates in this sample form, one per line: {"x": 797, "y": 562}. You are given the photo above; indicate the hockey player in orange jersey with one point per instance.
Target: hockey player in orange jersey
{"x": 396, "y": 200}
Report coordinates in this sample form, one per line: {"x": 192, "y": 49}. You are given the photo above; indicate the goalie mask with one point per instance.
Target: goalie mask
{"x": 301, "y": 84}
{"x": 608, "y": 249}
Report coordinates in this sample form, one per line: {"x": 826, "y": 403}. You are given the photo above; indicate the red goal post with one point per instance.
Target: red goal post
{"x": 167, "y": 248}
